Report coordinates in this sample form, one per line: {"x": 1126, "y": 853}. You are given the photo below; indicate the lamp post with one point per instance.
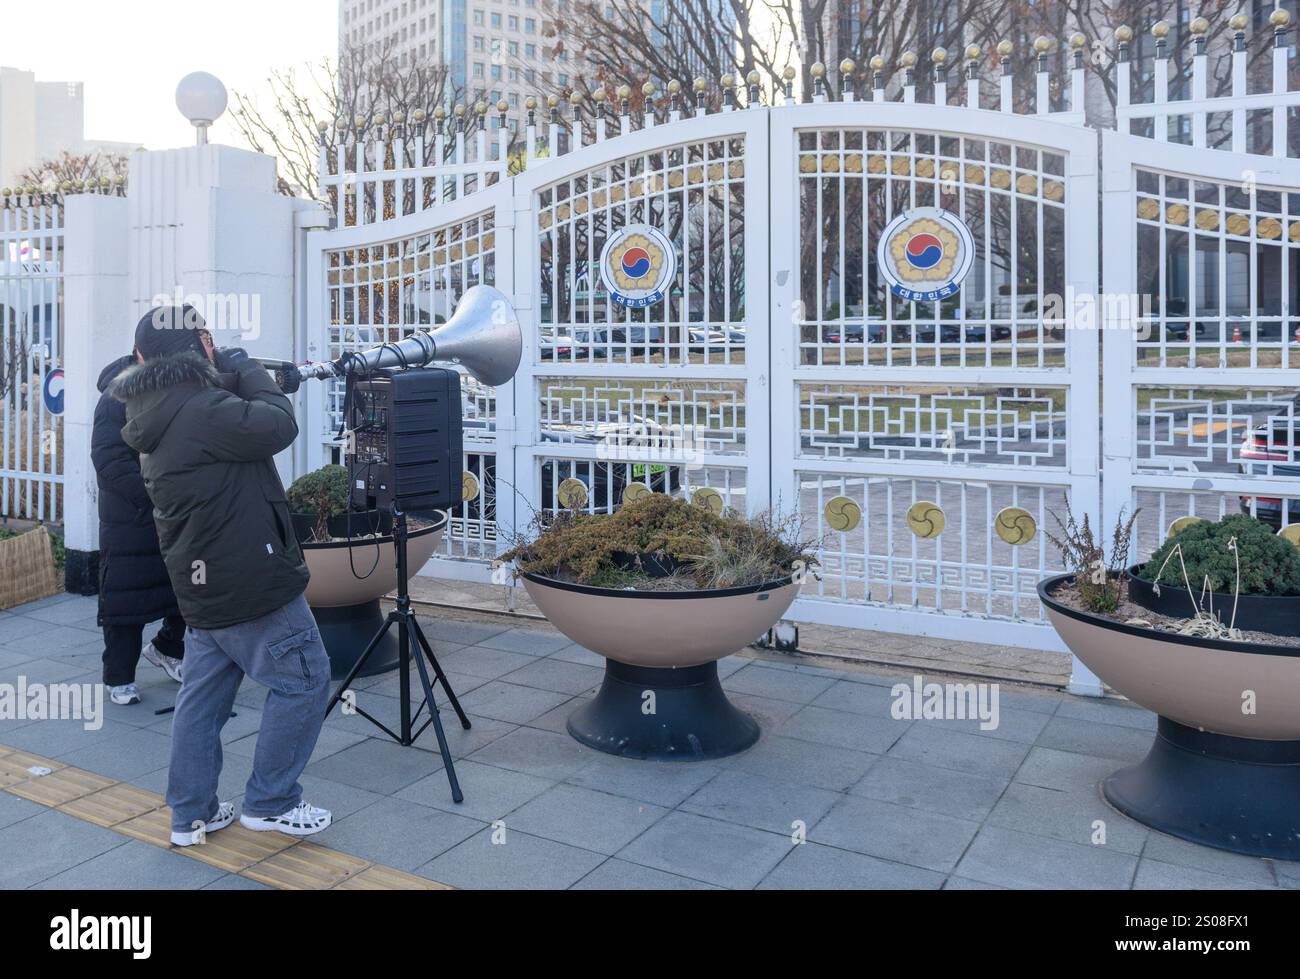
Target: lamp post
{"x": 202, "y": 99}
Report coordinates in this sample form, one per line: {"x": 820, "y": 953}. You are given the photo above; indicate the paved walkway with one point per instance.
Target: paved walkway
{"x": 885, "y": 803}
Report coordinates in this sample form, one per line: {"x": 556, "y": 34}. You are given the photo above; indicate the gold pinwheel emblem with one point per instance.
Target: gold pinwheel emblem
{"x": 842, "y": 514}
{"x": 1181, "y": 524}
{"x": 1015, "y": 525}
{"x": 925, "y": 519}
{"x": 1291, "y": 532}
{"x": 572, "y": 494}
{"x": 708, "y": 498}
{"x": 468, "y": 486}
{"x": 635, "y": 491}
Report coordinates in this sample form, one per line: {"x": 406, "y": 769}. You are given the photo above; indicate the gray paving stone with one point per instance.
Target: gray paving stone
{"x": 511, "y": 702}
{"x": 13, "y": 809}
{"x": 534, "y": 752}
{"x": 55, "y": 738}
{"x": 15, "y": 630}
{"x": 1154, "y": 875}
{"x": 556, "y": 719}
{"x": 235, "y": 772}
{"x": 123, "y": 756}
{"x": 456, "y": 631}
{"x": 963, "y": 884}
{"x": 660, "y": 783}
{"x": 11, "y": 656}
{"x": 522, "y": 862}
{"x": 461, "y": 743}
{"x": 1055, "y": 769}
{"x": 1288, "y": 874}
{"x": 247, "y": 720}
{"x": 754, "y": 800}
{"x": 398, "y": 833}
{"x": 731, "y": 664}
{"x": 788, "y": 760}
{"x": 1022, "y": 860}
{"x": 706, "y": 849}
{"x": 45, "y": 670}
{"x": 134, "y": 866}
{"x": 942, "y": 790}
{"x": 557, "y": 675}
{"x": 898, "y": 833}
{"x": 74, "y": 611}
{"x": 777, "y": 684}
{"x": 840, "y": 729}
{"x": 815, "y": 867}
{"x": 490, "y": 793}
{"x": 1093, "y": 738}
{"x": 533, "y": 642}
{"x": 1168, "y": 849}
{"x": 857, "y": 698}
{"x": 376, "y": 765}
{"x": 585, "y": 818}
{"x": 573, "y": 653}
{"x": 329, "y": 741}
{"x": 49, "y": 843}
{"x": 340, "y": 799}
{"x": 943, "y": 748}
{"x": 1107, "y": 712}
{"x": 233, "y": 882}
{"x": 1030, "y": 698}
{"x": 1066, "y": 815}
{"x": 769, "y": 713}
{"x": 619, "y": 875}
{"x": 490, "y": 664}
{"x": 1012, "y": 725}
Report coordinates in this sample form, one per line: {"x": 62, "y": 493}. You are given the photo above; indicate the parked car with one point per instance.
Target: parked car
{"x": 1276, "y": 443}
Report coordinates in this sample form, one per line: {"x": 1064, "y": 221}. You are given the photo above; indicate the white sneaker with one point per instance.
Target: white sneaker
{"x": 126, "y": 694}
{"x": 224, "y": 817}
{"x": 168, "y": 664}
{"x": 301, "y": 820}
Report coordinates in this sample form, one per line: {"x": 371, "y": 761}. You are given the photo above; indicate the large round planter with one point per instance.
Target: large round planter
{"x": 1215, "y": 775}
{"x": 660, "y": 698}
{"x": 346, "y": 606}
{"x": 1278, "y": 614}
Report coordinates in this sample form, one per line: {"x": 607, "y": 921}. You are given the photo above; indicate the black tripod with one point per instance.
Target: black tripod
{"x": 407, "y": 626}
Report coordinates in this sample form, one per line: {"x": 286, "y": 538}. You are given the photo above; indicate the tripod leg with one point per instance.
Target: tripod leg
{"x": 456, "y": 794}
{"x": 442, "y": 677}
{"x": 361, "y": 661}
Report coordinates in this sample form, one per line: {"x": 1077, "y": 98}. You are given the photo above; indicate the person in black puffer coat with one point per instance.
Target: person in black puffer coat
{"x": 134, "y": 588}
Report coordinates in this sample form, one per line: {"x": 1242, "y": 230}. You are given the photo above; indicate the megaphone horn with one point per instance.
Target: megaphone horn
{"x": 483, "y": 336}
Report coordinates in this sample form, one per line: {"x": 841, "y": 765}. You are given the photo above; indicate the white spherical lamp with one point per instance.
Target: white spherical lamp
{"x": 202, "y": 99}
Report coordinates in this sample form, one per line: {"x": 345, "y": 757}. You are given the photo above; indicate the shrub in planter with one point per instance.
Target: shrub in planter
{"x": 1267, "y": 564}
{"x": 323, "y": 493}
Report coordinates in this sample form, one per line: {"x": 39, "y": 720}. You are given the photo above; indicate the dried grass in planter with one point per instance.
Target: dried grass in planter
{"x": 27, "y": 572}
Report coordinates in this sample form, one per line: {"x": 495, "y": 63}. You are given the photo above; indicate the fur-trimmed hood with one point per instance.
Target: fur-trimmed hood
{"x": 154, "y": 392}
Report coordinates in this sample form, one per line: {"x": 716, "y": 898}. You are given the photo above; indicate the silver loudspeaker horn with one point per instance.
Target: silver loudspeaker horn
{"x": 483, "y": 336}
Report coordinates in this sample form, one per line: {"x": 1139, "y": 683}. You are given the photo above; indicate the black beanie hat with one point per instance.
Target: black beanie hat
{"x": 169, "y": 330}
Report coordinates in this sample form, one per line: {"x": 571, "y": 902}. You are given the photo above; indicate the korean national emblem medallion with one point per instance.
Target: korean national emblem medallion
{"x": 925, "y": 253}
{"x": 637, "y": 265}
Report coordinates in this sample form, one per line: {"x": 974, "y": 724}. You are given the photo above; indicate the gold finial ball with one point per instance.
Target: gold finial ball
{"x": 502, "y": 105}
{"x": 459, "y": 110}
{"x": 847, "y": 66}
{"x": 359, "y": 121}
{"x": 480, "y": 107}
{"x": 552, "y": 101}
{"x": 674, "y": 87}
{"x": 939, "y": 56}
{"x": 1279, "y": 18}
{"x": 1199, "y": 26}
{"x": 341, "y": 125}
{"x": 530, "y": 103}
{"x": 575, "y": 100}
{"x": 973, "y": 52}
{"x": 322, "y": 127}
{"x": 788, "y": 73}
{"x": 599, "y": 94}
{"x": 753, "y": 77}
{"x": 379, "y": 118}
{"x": 1042, "y": 44}
{"x": 908, "y": 59}
{"x": 419, "y": 115}
{"x": 648, "y": 89}
{"x": 1005, "y": 49}
{"x": 399, "y": 118}
{"x": 818, "y": 70}
{"x": 1124, "y": 34}
{"x": 699, "y": 84}
{"x": 624, "y": 91}
{"x": 727, "y": 80}
{"x": 7, "y": 192}
{"x": 877, "y": 63}
{"x": 1238, "y": 23}
{"x": 440, "y": 113}
{"x": 1160, "y": 30}
{"x": 1078, "y": 41}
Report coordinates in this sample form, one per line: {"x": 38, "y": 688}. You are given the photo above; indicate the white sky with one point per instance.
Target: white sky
{"x": 131, "y": 54}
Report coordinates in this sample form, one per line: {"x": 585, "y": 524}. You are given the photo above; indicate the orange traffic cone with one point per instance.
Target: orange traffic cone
{"x": 1236, "y": 334}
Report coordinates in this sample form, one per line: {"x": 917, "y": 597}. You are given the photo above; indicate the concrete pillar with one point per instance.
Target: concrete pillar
{"x": 97, "y": 330}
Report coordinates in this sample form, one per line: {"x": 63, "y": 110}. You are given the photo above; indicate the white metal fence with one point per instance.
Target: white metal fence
{"x": 31, "y": 352}
{"x": 926, "y": 444}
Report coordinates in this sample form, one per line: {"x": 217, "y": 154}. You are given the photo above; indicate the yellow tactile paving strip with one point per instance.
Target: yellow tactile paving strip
{"x": 273, "y": 859}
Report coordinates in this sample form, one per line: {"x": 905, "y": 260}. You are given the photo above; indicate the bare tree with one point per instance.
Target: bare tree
{"x": 78, "y": 170}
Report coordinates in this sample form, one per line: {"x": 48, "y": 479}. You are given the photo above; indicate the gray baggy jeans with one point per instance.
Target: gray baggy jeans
{"x": 282, "y": 651}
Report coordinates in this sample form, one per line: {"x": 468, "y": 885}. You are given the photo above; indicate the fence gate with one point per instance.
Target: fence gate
{"x": 31, "y": 356}
{"x": 880, "y": 316}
